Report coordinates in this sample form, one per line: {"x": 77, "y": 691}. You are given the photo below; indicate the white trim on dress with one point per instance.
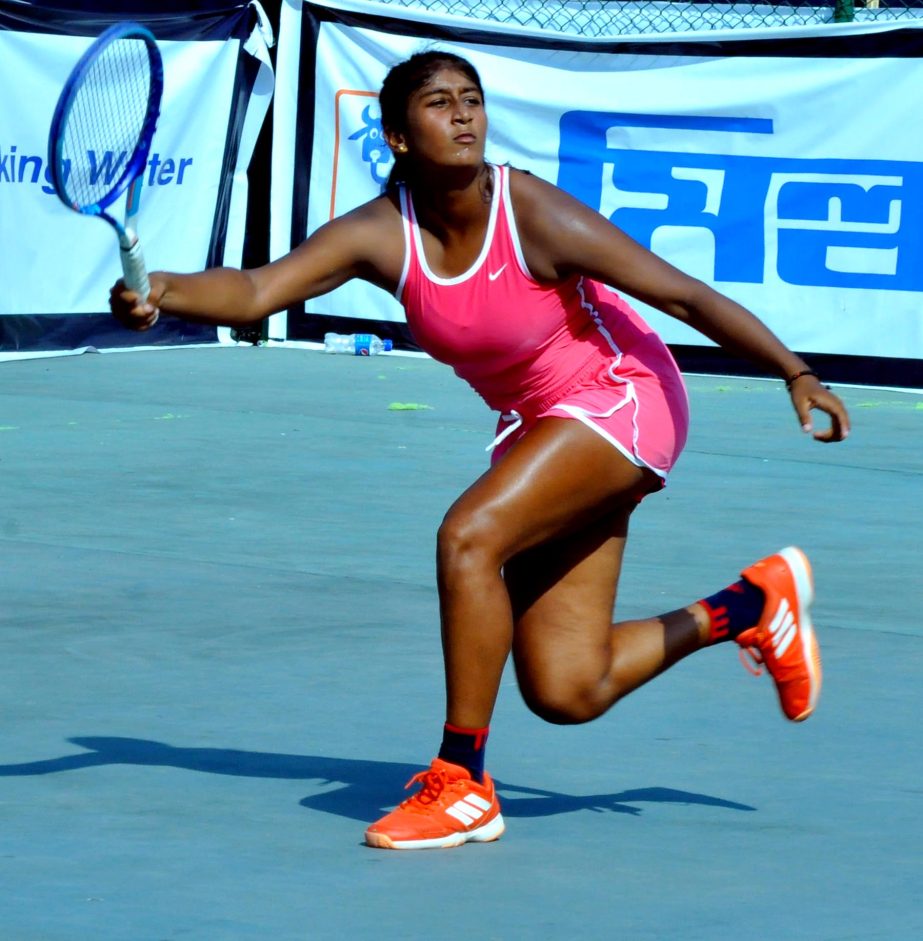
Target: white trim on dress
{"x": 485, "y": 248}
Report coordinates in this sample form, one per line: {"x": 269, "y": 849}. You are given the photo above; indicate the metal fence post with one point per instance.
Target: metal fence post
{"x": 844, "y": 11}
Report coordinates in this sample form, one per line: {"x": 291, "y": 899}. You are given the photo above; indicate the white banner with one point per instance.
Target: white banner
{"x": 790, "y": 179}
{"x": 53, "y": 261}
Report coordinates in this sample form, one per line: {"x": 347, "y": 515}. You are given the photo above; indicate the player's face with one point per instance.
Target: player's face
{"x": 446, "y": 122}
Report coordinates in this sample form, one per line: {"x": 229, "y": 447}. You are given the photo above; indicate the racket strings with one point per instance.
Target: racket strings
{"x": 106, "y": 120}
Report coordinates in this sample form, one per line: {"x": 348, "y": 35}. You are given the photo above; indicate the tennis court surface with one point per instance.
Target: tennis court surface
{"x": 219, "y": 660}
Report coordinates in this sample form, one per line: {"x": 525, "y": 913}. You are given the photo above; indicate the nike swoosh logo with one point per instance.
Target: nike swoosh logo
{"x": 496, "y": 274}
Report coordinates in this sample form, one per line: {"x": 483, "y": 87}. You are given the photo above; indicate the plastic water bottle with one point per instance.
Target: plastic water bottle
{"x": 356, "y": 344}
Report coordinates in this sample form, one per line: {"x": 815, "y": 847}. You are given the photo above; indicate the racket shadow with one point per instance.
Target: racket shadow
{"x": 364, "y": 785}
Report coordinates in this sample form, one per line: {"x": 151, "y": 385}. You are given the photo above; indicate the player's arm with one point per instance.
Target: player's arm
{"x": 360, "y": 244}
{"x": 562, "y": 236}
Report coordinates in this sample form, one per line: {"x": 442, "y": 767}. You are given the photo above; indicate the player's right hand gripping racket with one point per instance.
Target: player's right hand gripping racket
{"x": 101, "y": 133}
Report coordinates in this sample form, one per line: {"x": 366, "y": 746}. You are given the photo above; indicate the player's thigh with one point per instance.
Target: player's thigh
{"x": 563, "y": 593}
{"x": 557, "y": 479}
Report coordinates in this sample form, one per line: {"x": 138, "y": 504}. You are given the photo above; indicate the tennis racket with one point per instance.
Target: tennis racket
{"x": 101, "y": 133}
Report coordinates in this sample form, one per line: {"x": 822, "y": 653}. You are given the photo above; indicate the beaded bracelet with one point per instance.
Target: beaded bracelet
{"x": 804, "y": 372}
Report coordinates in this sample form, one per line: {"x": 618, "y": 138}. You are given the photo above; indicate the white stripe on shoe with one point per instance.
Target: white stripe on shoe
{"x": 782, "y": 628}
{"x": 468, "y": 809}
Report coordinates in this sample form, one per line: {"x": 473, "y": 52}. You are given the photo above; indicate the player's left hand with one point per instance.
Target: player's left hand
{"x": 808, "y": 393}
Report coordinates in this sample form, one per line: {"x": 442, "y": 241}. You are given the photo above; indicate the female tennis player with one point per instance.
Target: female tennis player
{"x": 512, "y": 282}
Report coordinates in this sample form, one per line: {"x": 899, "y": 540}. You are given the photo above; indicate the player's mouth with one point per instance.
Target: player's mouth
{"x": 465, "y": 139}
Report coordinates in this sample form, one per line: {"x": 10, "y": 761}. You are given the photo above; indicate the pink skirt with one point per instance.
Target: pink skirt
{"x": 635, "y": 400}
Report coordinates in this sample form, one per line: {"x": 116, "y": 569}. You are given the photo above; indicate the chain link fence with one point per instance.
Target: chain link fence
{"x": 597, "y": 18}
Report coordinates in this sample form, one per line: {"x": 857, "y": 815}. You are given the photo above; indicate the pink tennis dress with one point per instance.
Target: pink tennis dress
{"x": 531, "y": 350}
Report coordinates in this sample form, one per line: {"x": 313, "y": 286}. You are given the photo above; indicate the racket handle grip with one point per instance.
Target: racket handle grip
{"x": 133, "y": 267}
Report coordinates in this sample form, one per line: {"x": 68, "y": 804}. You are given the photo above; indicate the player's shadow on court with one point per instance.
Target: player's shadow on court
{"x": 351, "y": 787}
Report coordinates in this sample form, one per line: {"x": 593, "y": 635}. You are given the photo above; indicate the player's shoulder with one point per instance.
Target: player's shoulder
{"x": 383, "y": 209}
{"x": 368, "y": 226}
{"x": 526, "y": 186}
{"x": 538, "y": 202}
{"x": 370, "y": 236}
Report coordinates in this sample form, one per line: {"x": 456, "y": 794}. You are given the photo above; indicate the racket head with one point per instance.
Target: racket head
{"x": 110, "y": 104}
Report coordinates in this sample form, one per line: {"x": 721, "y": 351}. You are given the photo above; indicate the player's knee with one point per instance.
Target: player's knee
{"x": 566, "y": 703}
{"x": 467, "y": 539}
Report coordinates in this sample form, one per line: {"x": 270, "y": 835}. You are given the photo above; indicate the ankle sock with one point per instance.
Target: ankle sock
{"x": 733, "y": 610}
{"x": 464, "y": 747}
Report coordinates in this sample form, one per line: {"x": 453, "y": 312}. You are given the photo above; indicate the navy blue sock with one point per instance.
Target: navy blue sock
{"x": 733, "y": 609}
{"x": 464, "y": 747}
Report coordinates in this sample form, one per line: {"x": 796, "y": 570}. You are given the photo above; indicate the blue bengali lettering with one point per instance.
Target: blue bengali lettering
{"x": 817, "y": 222}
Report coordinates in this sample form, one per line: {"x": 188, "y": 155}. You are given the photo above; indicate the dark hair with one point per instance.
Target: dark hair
{"x": 402, "y": 81}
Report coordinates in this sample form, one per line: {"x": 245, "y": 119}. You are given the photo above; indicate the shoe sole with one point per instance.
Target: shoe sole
{"x": 487, "y": 833}
{"x": 800, "y": 568}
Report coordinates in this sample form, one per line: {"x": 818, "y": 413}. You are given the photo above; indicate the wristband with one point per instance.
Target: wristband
{"x": 804, "y": 372}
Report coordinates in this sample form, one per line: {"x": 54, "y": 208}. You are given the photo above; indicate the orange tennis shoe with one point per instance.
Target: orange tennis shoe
{"x": 450, "y": 809}
{"x": 784, "y": 639}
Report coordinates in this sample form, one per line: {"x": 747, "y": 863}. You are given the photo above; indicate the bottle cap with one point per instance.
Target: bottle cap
{"x": 387, "y": 346}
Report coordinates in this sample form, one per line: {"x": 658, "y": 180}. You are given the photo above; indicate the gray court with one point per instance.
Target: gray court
{"x": 220, "y": 660}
